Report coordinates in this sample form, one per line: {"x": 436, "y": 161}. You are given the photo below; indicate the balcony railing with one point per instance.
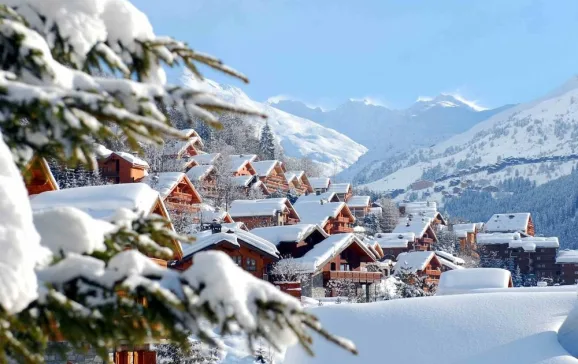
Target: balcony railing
{"x": 433, "y": 272}
{"x": 356, "y": 276}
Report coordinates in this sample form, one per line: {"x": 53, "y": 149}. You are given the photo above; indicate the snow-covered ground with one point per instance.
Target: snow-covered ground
{"x": 502, "y": 326}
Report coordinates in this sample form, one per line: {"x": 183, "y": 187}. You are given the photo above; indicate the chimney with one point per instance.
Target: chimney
{"x": 215, "y": 227}
{"x": 317, "y": 192}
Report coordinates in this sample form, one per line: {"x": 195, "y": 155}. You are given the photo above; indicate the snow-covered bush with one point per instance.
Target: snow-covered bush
{"x": 78, "y": 72}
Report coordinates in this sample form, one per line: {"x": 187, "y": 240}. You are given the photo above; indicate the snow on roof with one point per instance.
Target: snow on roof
{"x": 101, "y": 151}
{"x": 328, "y": 248}
{"x": 176, "y": 147}
{"x": 132, "y": 159}
{"x": 243, "y": 181}
{"x": 418, "y": 226}
{"x": 206, "y": 239}
{"x": 510, "y": 222}
{"x": 459, "y": 281}
{"x": 567, "y": 256}
{"x": 450, "y": 257}
{"x": 164, "y": 182}
{"x": 509, "y": 326}
{"x": 325, "y": 196}
{"x": 177, "y": 164}
{"x": 413, "y": 261}
{"x": 394, "y": 240}
{"x": 530, "y": 243}
{"x": 449, "y": 264}
{"x": 100, "y": 202}
{"x": 469, "y": 228}
{"x": 496, "y": 238}
{"x": 264, "y": 168}
{"x": 376, "y": 211}
{"x": 197, "y": 173}
{"x": 264, "y": 207}
{"x": 419, "y": 206}
{"x": 290, "y": 175}
{"x": 479, "y": 225}
{"x": 312, "y": 212}
{"x": 358, "y": 201}
{"x": 206, "y": 158}
{"x": 319, "y": 182}
{"x": 288, "y": 233}
{"x": 239, "y": 160}
{"x": 340, "y": 187}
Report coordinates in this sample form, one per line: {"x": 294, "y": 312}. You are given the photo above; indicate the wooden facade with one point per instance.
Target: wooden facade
{"x": 246, "y": 169}
{"x": 38, "y": 177}
{"x": 183, "y": 197}
{"x": 116, "y": 169}
{"x": 342, "y": 223}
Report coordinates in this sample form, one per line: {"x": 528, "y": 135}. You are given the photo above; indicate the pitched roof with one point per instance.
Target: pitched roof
{"x": 317, "y": 257}
{"x": 394, "y": 240}
{"x": 244, "y": 180}
{"x": 136, "y": 161}
{"x": 418, "y": 226}
{"x": 413, "y": 261}
{"x": 263, "y": 207}
{"x": 206, "y": 158}
{"x": 288, "y": 233}
{"x": 340, "y": 187}
{"x": 419, "y": 206}
{"x": 198, "y": 173}
{"x": 101, "y": 151}
{"x": 567, "y": 256}
{"x": 312, "y": 212}
{"x": 530, "y": 243}
{"x": 468, "y": 228}
{"x": 239, "y": 160}
{"x": 264, "y": 168}
{"x": 176, "y": 147}
{"x": 319, "y": 182}
{"x": 101, "y": 202}
{"x": 449, "y": 257}
{"x": 358, "y": 201}
{"x": 291, "y": 175}
{"x": 496, "y": 238}
{"x": 165, "y": 182}
{"x": 510, "y": 222}
{"x": 326, "y": 196}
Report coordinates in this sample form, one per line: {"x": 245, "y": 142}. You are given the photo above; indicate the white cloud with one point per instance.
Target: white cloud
{"x": 471, "y": 103}
{"x": 424, "y": 99}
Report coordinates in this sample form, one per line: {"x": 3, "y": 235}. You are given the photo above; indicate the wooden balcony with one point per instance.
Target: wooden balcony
{"x": 355, "y": 276}
{"x": 433, "y": 272}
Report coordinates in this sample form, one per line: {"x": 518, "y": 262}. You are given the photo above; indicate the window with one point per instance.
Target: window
{"x": 237, "y": 259}
{"x": 250, "y": 264}
{"x": 332, "y": 266}
{"x": 345, "y": 267}
{"x": 538, "y": 258}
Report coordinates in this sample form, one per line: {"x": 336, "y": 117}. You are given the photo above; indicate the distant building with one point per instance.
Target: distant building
{"x": 265, "y": 212}
{"x": 520, "y": 222}
{"x": 567, "y": 261}
{"x": 333, "y": 217}
{"x": 360, "y": 206}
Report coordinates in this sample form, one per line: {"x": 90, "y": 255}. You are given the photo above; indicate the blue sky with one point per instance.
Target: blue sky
{"x": 324, "y": 52}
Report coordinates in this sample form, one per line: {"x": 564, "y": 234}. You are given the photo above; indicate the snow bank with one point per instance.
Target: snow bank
{"x": 19, "y": 241}
{"x": 464, "y": 280}
{"x": 499, "y": 328}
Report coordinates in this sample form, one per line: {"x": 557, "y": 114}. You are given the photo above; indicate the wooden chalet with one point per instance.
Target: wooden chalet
{"x": 333, "y": 217}
{"x": 320, "y": 184}
{"x": 344, "y": 191}
{"x": 38, "y": 177}
{"x": 242, "y": 165}
{"x": 421, "y": 227}
{"x": 520, "y": 222}
{"x": 338, "y": 257}
{"x": 204, "y": 177}
{"x": 318, "y": 197}
{"x": 272, "y": 174}
{"x": 360, "y": 206}
{"x": 422, "y": 263}
{"x": 449, "y": 262}
{"x": 175, "y": 148}
{"x": 467, "y": 235}
{"x": 422, "y": 209}
{"x": 264, "y": 212}
{"x": 299, "y": 182}
{"x": 121, "y": 167}
{"x": 292, "y": 240}
{"x": 567, "y": 262}
{"x": 249, "y": 251}
{"x": 393, "y": 244}
{"x": 204, "y": 159}
{"x": 176, "y": 190}
{"x": 250, "y": 183}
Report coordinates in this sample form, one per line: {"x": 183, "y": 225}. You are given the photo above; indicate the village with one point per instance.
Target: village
{"x": 312, "y": 243}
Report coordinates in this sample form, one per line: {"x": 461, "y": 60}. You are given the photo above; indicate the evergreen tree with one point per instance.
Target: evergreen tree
{"x": 517, "y": 277}
{"x": 389, "y": 215}
{"x": 267, "y": 148}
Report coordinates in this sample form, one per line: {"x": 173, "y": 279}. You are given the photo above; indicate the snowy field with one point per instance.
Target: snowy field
{"x": 501, "y": 326}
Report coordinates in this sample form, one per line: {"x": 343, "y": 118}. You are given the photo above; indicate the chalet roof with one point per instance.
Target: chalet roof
{"x": 100, "y": 202}
{"x": 340, "y": 187}
{"x": 264, "y": 168}
{"x": 510, "y": 222}
{"x": 288, "y": 233}
{"x": 312, "y": 212}
{"x": 449, "y": 257}
{"x": 243, "y": 181}
{"x": 468, "y": 228}
{"x": 464, "y": 280}
{"x": 326, "y": 196}
{"x": 394, "y": 240}
{"x": 263, "y": 207}
{"x": 43, "y": 164}
{"x": 176, "y": 147}
{"x": 239, "y": 160}
{"x": 177, "y": 164}
{"x": 206, "y": 158}
{"x": 376, "y": 211}
{"x": 190, "y": 132}
{"x": 198, "y": 173}
{"x": 413, "y": 261}
{"x": 496, "y": 238}
{"x": 358, "y": 201}
{"x": 530, "y": 243}
{"x": 235, "y": 225}
{"x": 101, "y": 151}
{"x": 291, "y": 175}
{"x": 567, "y": 256}
{"x": 206, "y": 239}
{"x": 416, "y": 225}
{"x": 319, "y": 182}
{"x": 449, "y": 264}
{"x": 165, "y": 182}
{"x": 136, "y": 161}
{"x": 317, "y": 257}
{"x": 419, "y": 206}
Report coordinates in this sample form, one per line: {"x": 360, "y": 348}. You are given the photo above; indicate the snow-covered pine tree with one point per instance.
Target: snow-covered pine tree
{"x": 267, "y": 150}
{"x": 389, "y": 216}
{"x": 447, "y": 241}
{"x": 518, "y": 277}
{"x": 65, "y": 270}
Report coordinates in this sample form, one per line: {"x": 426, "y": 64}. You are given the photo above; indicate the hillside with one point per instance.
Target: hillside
{"x": 299, "y": 137}
{"x": 537, "y": 140}
{"x": 387, "y": 133}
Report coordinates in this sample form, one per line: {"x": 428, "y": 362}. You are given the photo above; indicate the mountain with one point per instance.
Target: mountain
{"x": 537, "y": 140}
{"x": 388, "y": 132}
{"x": 298, "y": 136}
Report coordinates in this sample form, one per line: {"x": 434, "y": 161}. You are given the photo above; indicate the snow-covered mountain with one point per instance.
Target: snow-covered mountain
{"x": 537, "y": 140}
{"x": 388, "y": 132}
{"x": 299, "y": 137}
